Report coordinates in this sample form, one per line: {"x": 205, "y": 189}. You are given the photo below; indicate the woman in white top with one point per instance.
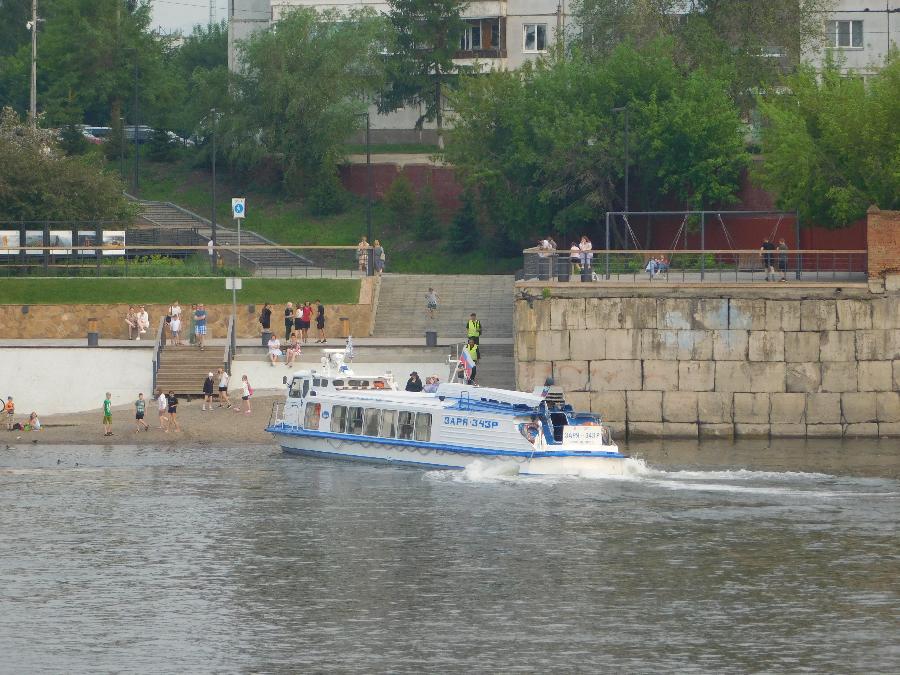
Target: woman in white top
{"x": 175, "y": 310}
{"x": 143, "y": 321}
{"x": 274, "y": 349}
{"x": 586, "y": 251}
{"x": 246, "y": 393}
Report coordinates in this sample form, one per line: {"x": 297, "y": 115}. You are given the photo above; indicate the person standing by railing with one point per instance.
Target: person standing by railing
{"x": 766, "y": 253}
{"x": 783, "y": 258}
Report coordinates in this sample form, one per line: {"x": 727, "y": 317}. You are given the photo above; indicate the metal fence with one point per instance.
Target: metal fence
{"x": 689, "y": 266}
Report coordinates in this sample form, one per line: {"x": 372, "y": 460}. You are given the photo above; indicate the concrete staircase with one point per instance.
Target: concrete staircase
{"x": 401, "y": 305}
{"x": 273, "y": 261}
{"x": 183, "y": 369}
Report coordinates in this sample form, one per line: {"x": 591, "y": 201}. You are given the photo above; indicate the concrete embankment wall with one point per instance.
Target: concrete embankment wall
{"x": 701, "y": 361}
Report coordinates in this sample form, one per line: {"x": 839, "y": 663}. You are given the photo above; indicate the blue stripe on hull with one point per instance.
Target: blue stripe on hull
{"x": 355, "y": 439}
{"x": 365, "y": 458}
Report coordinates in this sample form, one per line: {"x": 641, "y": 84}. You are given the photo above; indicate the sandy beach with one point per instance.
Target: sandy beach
{"x": 221, "y": 426}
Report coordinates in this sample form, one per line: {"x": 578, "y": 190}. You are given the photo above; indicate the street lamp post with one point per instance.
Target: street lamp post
{"x": 370, "y": 262}
{"x": 624, "y": 111}
{"x": 33, "y": 25}
{"x": 212, "y": 258}
{"x": 137, "y": 147}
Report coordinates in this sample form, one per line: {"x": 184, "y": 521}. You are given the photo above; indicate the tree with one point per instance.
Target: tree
{"x": 831, "y": 144}
{"x": 544, "y": 148}
{"x": 38, "y": 182}
{"x": 427, "y": 226}
{"x": 463, "y": 235}
{"x": 420, "y": 68}
{"x": 748, "y": 44}
{"x": 400, "y": 200}
{"x": 300, "y": 93}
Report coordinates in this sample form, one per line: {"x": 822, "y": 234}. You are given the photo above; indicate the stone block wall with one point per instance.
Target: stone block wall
{"x": 695, "y": 362}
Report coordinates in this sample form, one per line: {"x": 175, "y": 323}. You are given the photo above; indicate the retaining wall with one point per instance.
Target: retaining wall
{"x": 692, "y": 361}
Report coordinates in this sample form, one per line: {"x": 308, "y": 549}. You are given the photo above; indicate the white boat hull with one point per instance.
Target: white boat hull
{"x": 564, "y": 464}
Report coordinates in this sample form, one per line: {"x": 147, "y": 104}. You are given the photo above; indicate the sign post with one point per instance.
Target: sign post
{"x": 238, "y": 211}
{"x": 233, "y": 284}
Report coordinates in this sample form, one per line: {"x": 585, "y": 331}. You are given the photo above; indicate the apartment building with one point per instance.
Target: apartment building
{"x": 499, "y": 34}
{"x": 860, "y": 34}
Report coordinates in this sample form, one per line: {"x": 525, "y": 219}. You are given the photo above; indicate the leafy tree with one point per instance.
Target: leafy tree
{"x": 420, "y": 68}
{"x": 400, "y": 200}
{"x": 749, "y": 44}
{"x": 463, "y": 235}
{"x": 38, "y": 182}
{"x": 72, "y": 141}
{"x": 427, "y": 225}
{"x": 160, "y": 148}
{"x": 301, "y": 91}
{"x": 831, "y": 146}
{"x": 544, "y": 146}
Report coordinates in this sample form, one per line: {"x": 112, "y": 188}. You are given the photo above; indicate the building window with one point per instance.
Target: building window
{"x": 338, "y": 419}
{"x": 372, "y": 422}
{"x": 470, "y": 38}
{"x": 311, "y": 420}
{"x": 495, "y": 34}
{"x": 845, "y": 34}
{"x": 423, "y": 427}
{"x": 535, "y": 37}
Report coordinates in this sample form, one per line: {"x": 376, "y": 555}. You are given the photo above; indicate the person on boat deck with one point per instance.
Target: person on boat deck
{"x": 431, "y": 384}
{"x": 414, "y": 383}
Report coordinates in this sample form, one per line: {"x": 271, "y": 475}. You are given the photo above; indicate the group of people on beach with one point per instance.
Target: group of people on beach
{"x": 31, "y": 423}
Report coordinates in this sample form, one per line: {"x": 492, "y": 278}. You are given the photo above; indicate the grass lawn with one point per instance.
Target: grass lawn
{"x": 287, "y": 221}
{"x": 90, "y": 291}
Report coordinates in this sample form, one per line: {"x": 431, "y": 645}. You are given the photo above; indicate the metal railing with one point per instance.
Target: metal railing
{"x": 158, "y": 348}
{"x": 695, "y": 266}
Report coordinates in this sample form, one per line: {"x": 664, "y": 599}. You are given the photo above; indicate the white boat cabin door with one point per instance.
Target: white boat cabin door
{"x": 297, "y": 393}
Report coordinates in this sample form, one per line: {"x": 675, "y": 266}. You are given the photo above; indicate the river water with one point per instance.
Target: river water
{"x": 714, "y": 558}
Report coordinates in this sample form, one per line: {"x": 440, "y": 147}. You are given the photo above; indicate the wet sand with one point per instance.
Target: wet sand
{"x": 221, "y": 426}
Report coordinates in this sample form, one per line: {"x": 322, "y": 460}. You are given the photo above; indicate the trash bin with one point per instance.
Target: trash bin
{"x": 586, "y": 273}
{"x": 266, "y": 336}
{"x": 563, "y": 266}
{"x": 93, "y": 337}
{"x": 431, "y": 338}
{"x": 345, "y": 327}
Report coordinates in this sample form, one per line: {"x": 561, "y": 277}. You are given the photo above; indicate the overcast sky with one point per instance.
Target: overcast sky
{"x": 185, "y": 14}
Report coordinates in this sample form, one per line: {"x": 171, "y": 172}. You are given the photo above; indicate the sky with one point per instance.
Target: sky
{"x": 172, "y": 15}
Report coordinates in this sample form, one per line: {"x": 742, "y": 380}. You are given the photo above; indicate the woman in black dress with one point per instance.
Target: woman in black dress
{"x": 265, "y": 317}
{"x": 288, "y": 320}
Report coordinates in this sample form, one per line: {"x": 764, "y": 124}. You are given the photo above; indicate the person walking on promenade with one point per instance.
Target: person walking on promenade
{"x": 362, "y": 254}
{"x": 378, "y": 253}
{"x": 132, "y": 321}
{"x": 107, "y": 415}
{"x": 200, "y": 318}
{"x": 288, "y": 320}
{"x": 10, "y": 408}
{"x": 246, "y": 393}
{"x": 320, "y": 321}
{"x": 431, "y": 302}
{"x": 208, "y": 385}
{"x": 783, "y": 259}
{"x": 192, "y": 336}
{"x": 143, "y": 319}
{"x": 265, "y": 317}
{"x": 473, "y": 328}
{"x": 472, "y": 350}
{"x": 162, "y": 405}
{"x": 766, "y": 253}
{"x": 172, "y": 402}
{"x": 140, "y": 406}
{"x": 223, "y": 388}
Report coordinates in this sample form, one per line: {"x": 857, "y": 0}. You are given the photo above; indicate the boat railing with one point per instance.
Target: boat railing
{"x": 276, "y": 417}
{"x": 453, "y": 360}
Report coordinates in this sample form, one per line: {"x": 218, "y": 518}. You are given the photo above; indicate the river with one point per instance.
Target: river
{"x": 714, "y": 558}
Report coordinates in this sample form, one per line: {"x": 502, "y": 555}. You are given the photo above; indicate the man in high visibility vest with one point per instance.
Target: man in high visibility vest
{"x": 473, "y": 328}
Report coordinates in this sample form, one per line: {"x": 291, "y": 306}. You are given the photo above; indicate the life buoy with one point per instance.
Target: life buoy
{"x": 379, "y": 384}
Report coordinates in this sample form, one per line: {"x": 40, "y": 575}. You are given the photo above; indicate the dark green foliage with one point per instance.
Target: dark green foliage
{"x": 160, "y": 147}
{"x": 327, "y": 196}
{"x": 427, "y": 225}
{"x": 400, "y": 200}
{"x": 831, "y": 147}
{"x": 72, "y": 141}
{"x": 463, "y": 235}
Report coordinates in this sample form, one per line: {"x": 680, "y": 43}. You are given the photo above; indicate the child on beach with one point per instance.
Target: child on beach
{"x": 162, "y": 404}
{"x": 246, "y": 393}
{"x": 175, "y": 327}
{"x": 172, "y": 401}
{"x": 223, "y": 389}
{"x": 10, "y": 409}
{"x": 208, "y": 384}
{"x": 107, "y": 415}
{"x": 140, "y": 405}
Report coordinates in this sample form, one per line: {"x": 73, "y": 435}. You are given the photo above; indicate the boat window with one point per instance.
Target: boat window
{"x": 372, "y": 421}
{"x": 317, "y": 382}
{"x": 338, "y": 419}
{"x": 305, "y": 388}
{"x": 338, "y": 383}
{"x": 389, "y": 424}
{"x": 405, "y": 424}
{"x": 313, "y": 412}
{"x": 296, "y": 387}
{"x": 354, "y": 420}
{"x": 423, "y": 426}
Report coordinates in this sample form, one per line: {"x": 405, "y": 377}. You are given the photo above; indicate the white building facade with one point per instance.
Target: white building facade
{"x": 860, "y": 34}
{"x": 499, "y": 34}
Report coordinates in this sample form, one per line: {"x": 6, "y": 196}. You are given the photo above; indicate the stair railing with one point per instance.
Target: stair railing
{"x": 158, "y": 348}
{"x": 230, "y": 346}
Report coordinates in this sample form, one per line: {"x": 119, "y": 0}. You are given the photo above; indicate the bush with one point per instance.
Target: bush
{"x": 463, "y": 235}
{"x": 400, "y": 200}
{"x": 72, "y": 141}
{"x": 327, "y": 197}
{"x": 160, "y": 147}
{"x": 427, "y": 225}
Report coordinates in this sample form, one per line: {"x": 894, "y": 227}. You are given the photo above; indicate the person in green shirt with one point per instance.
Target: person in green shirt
{"x": 107, "y": 415}
{"x": 140, "y": 405}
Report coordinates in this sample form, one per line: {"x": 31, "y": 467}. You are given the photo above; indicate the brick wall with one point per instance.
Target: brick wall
{"x": 883, "y": 233}
{"x": 691, "y": 362}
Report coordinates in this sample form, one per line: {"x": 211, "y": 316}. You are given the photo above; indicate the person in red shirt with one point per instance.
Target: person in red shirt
{"x": 306, "y": 319}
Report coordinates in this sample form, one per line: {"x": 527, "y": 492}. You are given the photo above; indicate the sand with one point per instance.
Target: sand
{"x": 221, "y": 426}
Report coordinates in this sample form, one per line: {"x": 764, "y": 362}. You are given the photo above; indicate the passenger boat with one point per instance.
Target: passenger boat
{"x": 336, "y": 413}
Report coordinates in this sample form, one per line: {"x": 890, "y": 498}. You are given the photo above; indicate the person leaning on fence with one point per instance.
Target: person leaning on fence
{"x": 362, "y": 254}
{"x": 651, "y": 268}
{"x": 783, "y": 259}
{"x": 766, "y": 253}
